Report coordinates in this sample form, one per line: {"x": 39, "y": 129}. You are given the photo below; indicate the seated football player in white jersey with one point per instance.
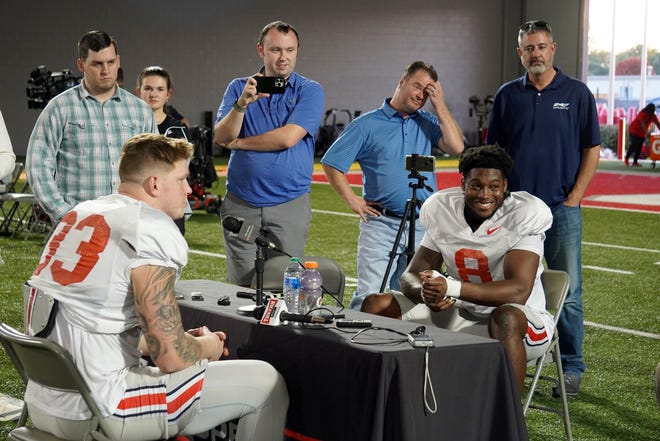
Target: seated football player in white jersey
{"x": 111, "y": 264}
{"x": 491, "y": 244}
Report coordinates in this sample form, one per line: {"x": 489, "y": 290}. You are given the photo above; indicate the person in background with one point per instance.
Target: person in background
{"x": 638, "y": 129}
{"x": 7, "y": 156}
{"x": 117, "y": 303}
{"x": 7, "y": 160}
{"x": 73, "y": 151}
{"x": 154, "y": 86}
{"x": 271, "y": 138}
{"x": 491, "y": 243}
{"x": 379, "y": 141}
{"x": 548, "y": 123}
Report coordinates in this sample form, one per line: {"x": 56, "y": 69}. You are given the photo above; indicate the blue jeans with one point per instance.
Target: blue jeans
{"x": 374, "y": 245}
{"x": 563, "y": 251}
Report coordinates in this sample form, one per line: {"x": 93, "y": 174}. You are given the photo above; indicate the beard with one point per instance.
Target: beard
{"x": 538, "y": 69}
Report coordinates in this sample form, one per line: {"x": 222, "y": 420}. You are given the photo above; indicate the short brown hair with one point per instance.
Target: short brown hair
{"x": 147, "y": 151}
{"x": 420, "y": 65}
{"x": 281, "y": 27}
{"x": 95, "y": 40}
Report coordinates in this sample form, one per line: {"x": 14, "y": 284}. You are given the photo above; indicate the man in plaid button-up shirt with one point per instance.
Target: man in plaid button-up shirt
{"x": 74, "y": 149}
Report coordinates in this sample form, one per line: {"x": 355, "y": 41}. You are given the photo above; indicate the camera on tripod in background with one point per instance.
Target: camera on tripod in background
{"x": 415, "y": 163}
{"x": 43, "y": 85}
{"x": 420, "y": 163}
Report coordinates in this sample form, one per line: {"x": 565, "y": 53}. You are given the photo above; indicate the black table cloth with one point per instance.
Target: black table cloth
{"x": 340, "y": 390}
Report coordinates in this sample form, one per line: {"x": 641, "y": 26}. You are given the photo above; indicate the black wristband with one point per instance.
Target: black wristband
{"x": 238, "y": 108}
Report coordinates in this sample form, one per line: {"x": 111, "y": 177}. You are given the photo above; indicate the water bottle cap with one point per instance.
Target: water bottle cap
{"x": 311, "y": 264}
{"x": 294, "y": 259}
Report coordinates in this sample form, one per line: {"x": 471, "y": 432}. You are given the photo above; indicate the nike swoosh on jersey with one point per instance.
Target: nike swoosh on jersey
{"x": 492, "y": 230}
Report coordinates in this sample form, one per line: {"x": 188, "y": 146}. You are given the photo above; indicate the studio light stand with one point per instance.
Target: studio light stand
{"x": 409, "y": 217}
{"x": 482, "y": 110}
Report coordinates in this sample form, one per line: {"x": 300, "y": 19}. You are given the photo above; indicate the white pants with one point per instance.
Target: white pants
{"x": 251, "y": 390}
{"x": 538, "y": 335}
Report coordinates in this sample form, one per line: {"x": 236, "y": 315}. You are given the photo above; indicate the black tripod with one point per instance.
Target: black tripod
{"x": 409, "y": 215}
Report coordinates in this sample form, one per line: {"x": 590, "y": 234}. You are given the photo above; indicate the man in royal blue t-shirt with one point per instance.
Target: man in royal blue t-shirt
{"x": 548, "y": 123}
{"x": 271, "y": 138}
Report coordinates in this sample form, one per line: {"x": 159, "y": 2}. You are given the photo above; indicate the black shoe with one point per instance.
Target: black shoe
{"x": 571, "y": 384}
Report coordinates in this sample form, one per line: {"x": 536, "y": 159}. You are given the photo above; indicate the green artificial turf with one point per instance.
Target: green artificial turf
{"x": 621, "y": 254}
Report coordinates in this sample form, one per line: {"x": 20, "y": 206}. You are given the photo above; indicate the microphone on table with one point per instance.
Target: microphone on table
{"x": 275, "y": 311}
{"x": 247, "y": 232}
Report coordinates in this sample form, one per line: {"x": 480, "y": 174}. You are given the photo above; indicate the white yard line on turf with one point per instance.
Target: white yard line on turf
{"x": 622, "y": 330}
{"x": 621, "y": 247}
{"x": 608, "y": 270}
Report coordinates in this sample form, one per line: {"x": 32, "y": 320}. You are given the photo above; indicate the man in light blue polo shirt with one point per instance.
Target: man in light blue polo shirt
{"x": 271, "y": 137}
{"x": 379, "y": 141}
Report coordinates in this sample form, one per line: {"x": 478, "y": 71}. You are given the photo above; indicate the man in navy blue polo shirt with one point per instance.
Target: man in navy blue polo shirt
{"x": 548, "y": 123}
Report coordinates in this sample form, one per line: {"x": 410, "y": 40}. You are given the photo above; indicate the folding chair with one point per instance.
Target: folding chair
{"x": 38, "y": 221}
{"x": 47, "y": 363}
{"x": 17, "y": 203}
{"x": 7, "y": 186}
{"x": 19, "y": 206}
{"x": 555, "y": 284}
{"x": 332, "y": 274}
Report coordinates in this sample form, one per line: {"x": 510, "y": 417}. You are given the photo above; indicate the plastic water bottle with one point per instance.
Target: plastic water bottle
{"x": 291, "y": 285}
{"x": 310, "y": 288}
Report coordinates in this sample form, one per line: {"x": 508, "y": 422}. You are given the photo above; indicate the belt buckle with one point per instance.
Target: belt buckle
{"x": 390, "y": 213}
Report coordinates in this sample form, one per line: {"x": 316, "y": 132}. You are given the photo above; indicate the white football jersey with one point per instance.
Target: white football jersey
{"x": 478, "y": 257}
{"x": 86, "y": 266}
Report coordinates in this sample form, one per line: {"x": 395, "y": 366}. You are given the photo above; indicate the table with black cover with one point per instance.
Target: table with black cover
{"x": 344, "y": 391}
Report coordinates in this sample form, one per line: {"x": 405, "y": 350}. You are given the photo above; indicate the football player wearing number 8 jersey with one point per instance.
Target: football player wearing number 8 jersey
{"x": 111, "y": 264}
{"x": 491, "y": 244}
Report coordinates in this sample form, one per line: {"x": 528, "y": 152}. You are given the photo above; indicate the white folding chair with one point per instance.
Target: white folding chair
{"x": 555, "y": 284}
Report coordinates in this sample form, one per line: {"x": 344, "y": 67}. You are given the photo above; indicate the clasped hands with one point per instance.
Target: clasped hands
{"x": 218, "y": 349}
{"x": 433, "y": 291}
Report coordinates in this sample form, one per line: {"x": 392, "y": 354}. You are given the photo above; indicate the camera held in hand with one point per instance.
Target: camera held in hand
{"x": 272, "y": 85}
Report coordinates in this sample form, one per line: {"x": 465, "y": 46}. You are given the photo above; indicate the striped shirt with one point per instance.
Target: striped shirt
{"x": 73, "y": 152}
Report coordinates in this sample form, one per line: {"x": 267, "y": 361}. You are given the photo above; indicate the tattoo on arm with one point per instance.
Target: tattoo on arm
{"x": 160, "y": 318}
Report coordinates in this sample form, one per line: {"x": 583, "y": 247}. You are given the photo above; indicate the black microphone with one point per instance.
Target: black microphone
{"x": 274, "y": 312}
{"x": 304, "y": 318}
{"x": 247, "y": 232}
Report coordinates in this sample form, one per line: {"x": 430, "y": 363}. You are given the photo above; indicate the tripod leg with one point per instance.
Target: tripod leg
{"x": 412, "y": 231}
{"x": 399, "y": 233}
